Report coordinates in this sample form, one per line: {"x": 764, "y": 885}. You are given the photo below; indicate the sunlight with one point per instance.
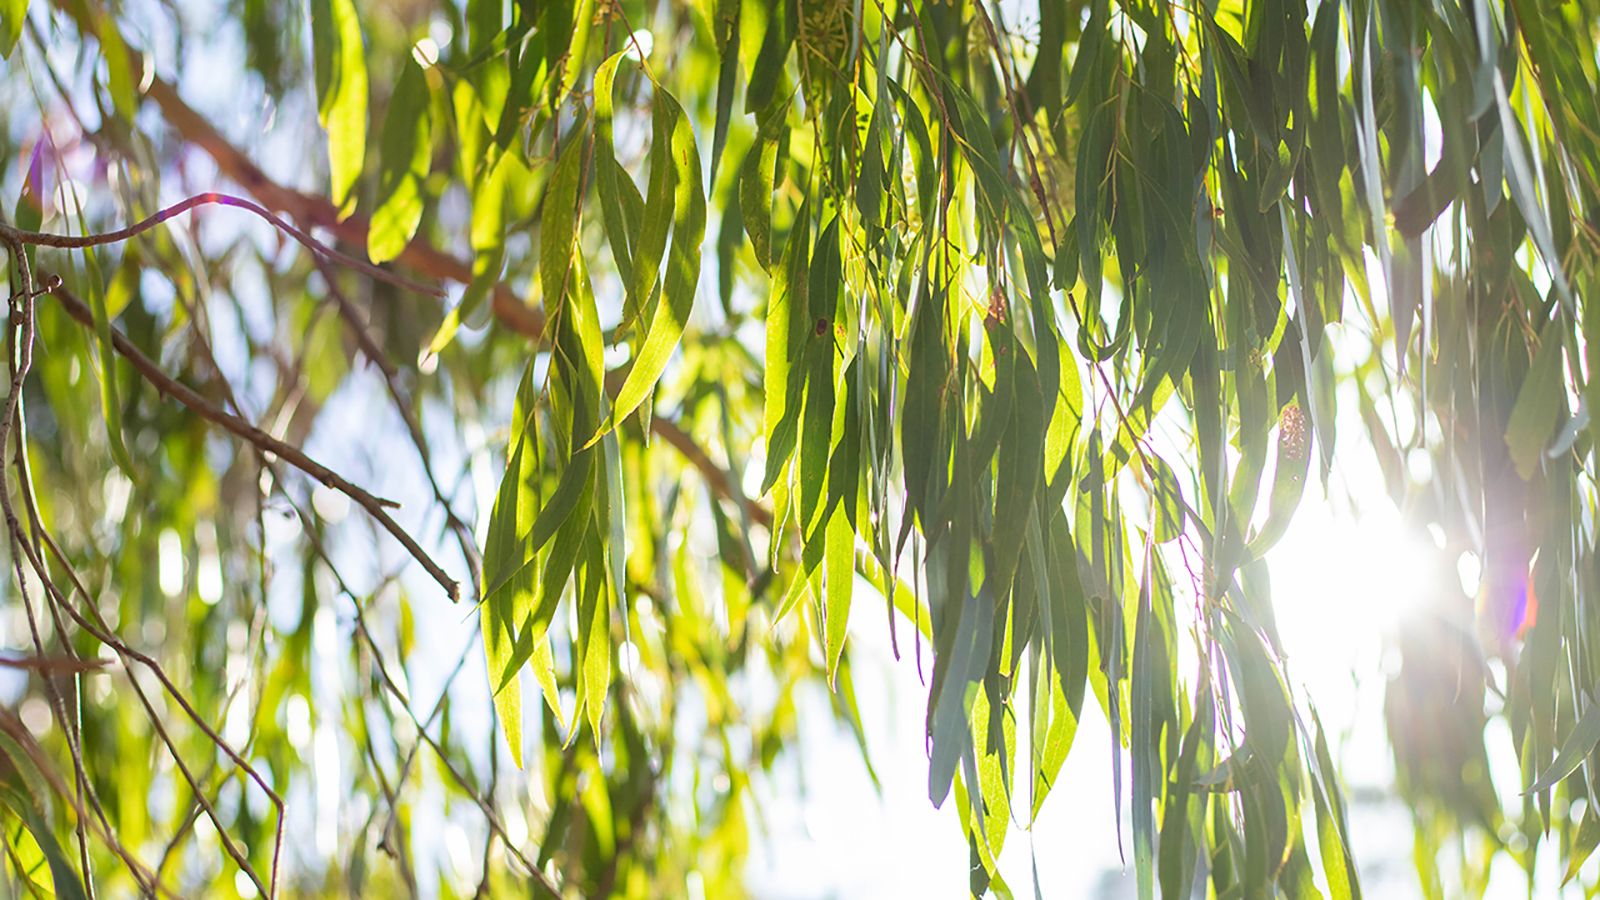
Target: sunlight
{"x": 1343, "y": 580}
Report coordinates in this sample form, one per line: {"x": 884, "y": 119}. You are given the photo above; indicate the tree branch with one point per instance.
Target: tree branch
{"x": 73, "y": 242}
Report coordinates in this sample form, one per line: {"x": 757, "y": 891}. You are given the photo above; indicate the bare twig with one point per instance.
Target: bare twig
{"x": 47, "y": 665}
{"x": 102, "y": 633}
{"x": 391, "y": 379}
{"x": 181, "y": 392}
{"x": 404, "y": 703}
{"x": 74, "y": 242}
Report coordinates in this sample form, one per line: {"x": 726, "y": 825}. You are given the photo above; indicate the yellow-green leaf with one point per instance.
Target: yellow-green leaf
{"x": 839, "y": 572}
{"x": 12, "y": 14}
{"x": 683, "y": 263}
{"x": 405, "y": 154}
{"x": 119, "y": 72}
{"x": 341, "y": 71}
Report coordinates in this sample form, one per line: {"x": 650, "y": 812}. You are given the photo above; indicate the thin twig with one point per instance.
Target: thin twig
{"x": 391, "y": 379}
{"x": 187, "y": 396}
{"x": 76, "y": 242}
{"x": 47, "y": 665}
{"x": 18, "y": 732}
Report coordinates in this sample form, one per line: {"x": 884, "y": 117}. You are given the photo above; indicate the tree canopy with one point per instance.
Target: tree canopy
{"x": 646, "y": 340}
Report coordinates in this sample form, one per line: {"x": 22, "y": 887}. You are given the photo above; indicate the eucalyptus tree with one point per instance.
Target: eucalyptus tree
{"x": 679, "y": 329}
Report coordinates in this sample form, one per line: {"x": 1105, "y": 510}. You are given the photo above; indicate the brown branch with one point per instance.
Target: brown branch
{"x": 187, "y": 396}
{"x": 52, "y": 664}
{"x": 718, "y": 479}
{"x": 71, "y": 242}
{"x": 318, "y": 212}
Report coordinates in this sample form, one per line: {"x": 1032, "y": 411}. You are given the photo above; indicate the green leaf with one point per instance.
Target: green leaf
{"x": 1539, "y": 404}
{"x": 611, "y": 180}
{"x": 566, "y": 28}
{"x": 1583, "y": 844}
{"x": 519, "y": 596}
{"x": 504, "y": 564}
{"x": 1094, "y": 45}
{"x": 839, "y": 574}
{"x": 1289, "y": 477}
{"x": 581, "y": 369}
{"x": 768, "y": 71}
{"x": 1061, "y": 436}
{"x": 964, "y": 662}
{"x": 341, "y": 72}
{"x": 594, "y": 635}
{"x": 994, "y": 744}
{"x": 13, "y": 14}
{"x": 406, "y": 152}
{"x": 725, "y": 28}
{"x": 816, "y": 422}
{"x": 68, "y": 886}
{"x": 119, "y": 70}
{"x": 1574, "y": 749}
{"x": 558, "y": 227}
{"x": 542, "y": 660}
{"x": 1147, "y": 667}
{"x": 616, "y": 514}
{"x": 1520, "y": 176}
{"x": 783, "y": 377}
{"x": 683, "y": 265}
{"x": 1019, "y": 468}
{"x": 1337, "y": 863}
{"x": 1166, "y": 501}
{"x": 755, "y": 196}
{"x": 1183, "y": 823}
{"x": 1067, "y": 636}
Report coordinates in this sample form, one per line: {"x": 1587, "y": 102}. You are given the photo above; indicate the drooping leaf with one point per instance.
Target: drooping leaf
{"x": 1575, "y": 747}
{"x": 65, "y": 880}
{"x": 559, "y": 224}
{"x": 405, "y": 155}
{"x": 119, "y": 69}
{"x": 13, "y": 14}
{"x": 341, "y": 75}
{"x": 1538, "y": 405}
{"x": 683, "y": 265}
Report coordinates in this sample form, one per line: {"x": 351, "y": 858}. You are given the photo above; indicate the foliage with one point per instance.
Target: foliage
{"x": 1031, "y": 318}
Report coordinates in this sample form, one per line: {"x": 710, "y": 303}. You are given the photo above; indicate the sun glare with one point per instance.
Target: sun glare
{"x": 1342, "y": 581}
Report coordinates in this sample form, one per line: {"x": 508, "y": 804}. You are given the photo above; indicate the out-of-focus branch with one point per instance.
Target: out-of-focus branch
{"x": 718, "y": 479}
{"x": 291, "y": 454}
{"x": 314, "y": 211}
{"x": 48, "y": 665}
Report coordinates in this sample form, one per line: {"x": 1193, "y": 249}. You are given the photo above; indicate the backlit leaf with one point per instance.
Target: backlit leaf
{"x": 405, "y": 155}
{"x": 341, "y": 73}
